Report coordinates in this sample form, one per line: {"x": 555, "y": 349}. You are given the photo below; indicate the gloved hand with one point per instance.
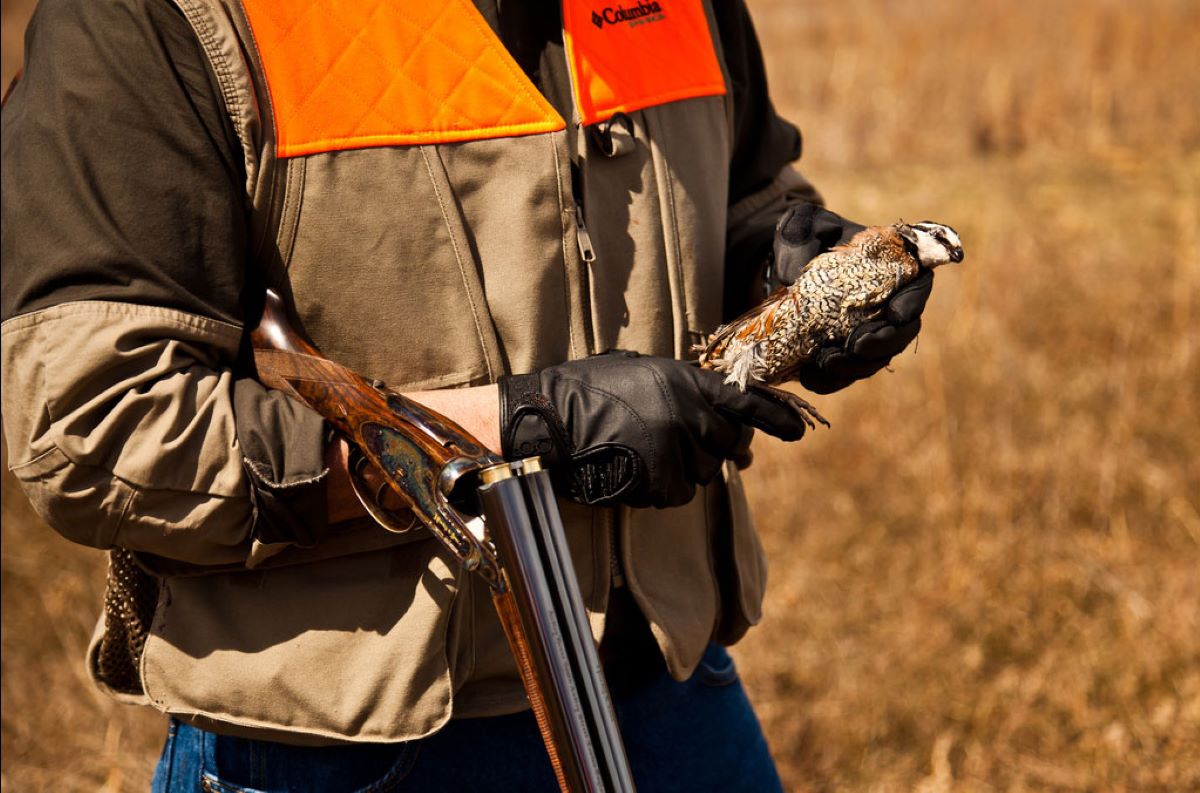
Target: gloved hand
{"x": 806, "y": 231}
{"x": 638, "y": 430}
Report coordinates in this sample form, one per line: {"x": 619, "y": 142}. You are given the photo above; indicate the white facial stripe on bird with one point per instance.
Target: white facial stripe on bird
{"x": 937, "y": 244}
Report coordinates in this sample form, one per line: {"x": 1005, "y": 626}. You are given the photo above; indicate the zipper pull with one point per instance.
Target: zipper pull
{"x": 586, "y": 251}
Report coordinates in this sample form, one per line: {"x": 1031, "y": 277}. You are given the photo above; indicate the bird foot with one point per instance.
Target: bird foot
{"x": 807, "y": 412}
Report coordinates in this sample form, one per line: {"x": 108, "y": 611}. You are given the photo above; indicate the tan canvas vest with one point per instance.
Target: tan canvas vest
{"x": 413, "y": 192}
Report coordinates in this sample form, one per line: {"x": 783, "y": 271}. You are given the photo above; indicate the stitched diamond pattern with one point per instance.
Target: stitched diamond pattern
{"x": 346, "y": 75}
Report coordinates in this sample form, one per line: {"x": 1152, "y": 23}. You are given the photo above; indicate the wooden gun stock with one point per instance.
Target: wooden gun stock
{"x": 423, "y": 455}
{"x": 427, "y": 459}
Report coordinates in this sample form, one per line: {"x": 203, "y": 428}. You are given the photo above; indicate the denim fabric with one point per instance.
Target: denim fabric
{"x": 695, "y": 736}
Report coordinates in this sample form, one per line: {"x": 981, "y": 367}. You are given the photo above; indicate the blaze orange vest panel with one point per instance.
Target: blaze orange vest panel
{"x": 626, "y": 57}
{"x": 389, "y": 72}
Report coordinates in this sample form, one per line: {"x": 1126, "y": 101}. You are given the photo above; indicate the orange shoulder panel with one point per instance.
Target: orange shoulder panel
{"x": 627, "y": 55}
{"x": 349, "y": 75}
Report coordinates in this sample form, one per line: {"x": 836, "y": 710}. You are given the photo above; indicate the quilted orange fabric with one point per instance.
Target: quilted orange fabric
{"x": 629, "y": 55}
{"x": 347, "y": 75}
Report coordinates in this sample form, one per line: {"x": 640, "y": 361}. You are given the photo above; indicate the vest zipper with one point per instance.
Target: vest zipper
{"x": 586, "y": 251}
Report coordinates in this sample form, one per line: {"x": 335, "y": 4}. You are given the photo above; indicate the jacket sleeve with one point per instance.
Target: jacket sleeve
{"x": 128, "y": 410}
{"x": 762, "y": 181}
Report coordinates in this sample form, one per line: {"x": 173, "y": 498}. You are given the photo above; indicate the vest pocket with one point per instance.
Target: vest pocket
{"x": 381, "y": 272}
{"x": 355, "y": 648}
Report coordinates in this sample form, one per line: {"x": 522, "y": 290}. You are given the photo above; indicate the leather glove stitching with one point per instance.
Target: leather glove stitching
{"x": 628, "y": 409}
{"x": 538, "y": 405}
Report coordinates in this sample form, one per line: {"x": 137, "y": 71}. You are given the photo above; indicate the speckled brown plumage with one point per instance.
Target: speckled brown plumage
{"x": 835, "y": 293}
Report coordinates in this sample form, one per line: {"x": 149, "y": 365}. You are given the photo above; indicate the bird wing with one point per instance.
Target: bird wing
{"x": 757, "y": 323}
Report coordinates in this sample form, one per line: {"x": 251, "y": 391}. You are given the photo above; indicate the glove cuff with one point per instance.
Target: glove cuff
{"x": 529, "y": 424}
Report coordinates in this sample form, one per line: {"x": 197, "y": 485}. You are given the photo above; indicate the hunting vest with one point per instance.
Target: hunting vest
{"x": 415, "y": 194}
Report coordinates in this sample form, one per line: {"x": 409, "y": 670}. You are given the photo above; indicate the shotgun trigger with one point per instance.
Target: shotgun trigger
{"x": 372, "y": 502}
{"x": 424, "y": 482}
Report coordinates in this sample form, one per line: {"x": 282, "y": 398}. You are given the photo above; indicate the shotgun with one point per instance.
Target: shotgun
{"x": 517, "y": 546}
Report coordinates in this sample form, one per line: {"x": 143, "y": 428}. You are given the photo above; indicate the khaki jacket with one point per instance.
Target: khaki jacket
{"x": 428, "y": 245}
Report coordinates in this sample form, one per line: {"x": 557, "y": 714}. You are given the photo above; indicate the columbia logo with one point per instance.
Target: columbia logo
{"x": 641, "y": 14}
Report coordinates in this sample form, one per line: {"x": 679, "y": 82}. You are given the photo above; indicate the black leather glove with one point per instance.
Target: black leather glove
{"x": 638, "y": 430}
{"x": 806, "y": 231}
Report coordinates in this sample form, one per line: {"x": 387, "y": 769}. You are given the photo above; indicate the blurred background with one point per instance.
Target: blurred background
{"x": 986, "y": 575}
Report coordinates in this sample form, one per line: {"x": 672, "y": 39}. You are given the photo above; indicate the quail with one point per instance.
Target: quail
{"x": 835, "y": 293}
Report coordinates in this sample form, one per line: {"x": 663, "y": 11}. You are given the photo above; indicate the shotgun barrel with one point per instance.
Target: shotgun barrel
{"x": 436, "y": 467}
{"x": 537, "y": 568}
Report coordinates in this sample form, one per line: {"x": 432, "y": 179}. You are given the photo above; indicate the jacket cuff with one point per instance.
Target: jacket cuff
{"x": 283, "y": 453}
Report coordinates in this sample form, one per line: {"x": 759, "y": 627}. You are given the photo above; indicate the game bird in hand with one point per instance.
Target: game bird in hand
{"x": 835, "y": 293}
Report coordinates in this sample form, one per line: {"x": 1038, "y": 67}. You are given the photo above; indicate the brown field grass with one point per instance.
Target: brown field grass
{"x": 986, "y": 575}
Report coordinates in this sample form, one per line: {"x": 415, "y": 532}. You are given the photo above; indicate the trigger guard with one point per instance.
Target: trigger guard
{"x": 390, "y": 520}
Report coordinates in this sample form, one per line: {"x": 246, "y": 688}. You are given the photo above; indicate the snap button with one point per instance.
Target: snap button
{"x": 613, "y": 137}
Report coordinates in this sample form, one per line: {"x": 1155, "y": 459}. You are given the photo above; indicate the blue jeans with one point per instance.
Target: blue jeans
{"x": 694, "y": 736}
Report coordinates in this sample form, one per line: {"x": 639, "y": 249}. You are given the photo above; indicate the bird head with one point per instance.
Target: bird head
{"x": 932, "y": 243}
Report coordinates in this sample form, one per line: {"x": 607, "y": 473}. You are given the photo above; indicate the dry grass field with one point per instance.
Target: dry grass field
{"x": 986, "y": 575}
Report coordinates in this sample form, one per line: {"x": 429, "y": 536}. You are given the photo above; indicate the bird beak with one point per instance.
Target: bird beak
{"x": 956, "y": 255}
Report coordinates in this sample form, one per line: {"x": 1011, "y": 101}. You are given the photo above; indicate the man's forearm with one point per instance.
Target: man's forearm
{"x": 475, "y": 409}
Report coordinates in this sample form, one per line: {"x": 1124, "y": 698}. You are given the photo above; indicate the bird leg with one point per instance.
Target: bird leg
{"x": 802, "y": 407}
